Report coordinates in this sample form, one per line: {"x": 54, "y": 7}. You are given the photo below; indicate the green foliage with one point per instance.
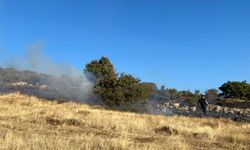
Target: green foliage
{"x": 101, "y": 68}
{"x": 236, "y": 90}
{"x": 148, "y": 89}
{"x": 190, "y": 97}
{"x": 212, "y": 94}
{"x": 173, "y": 94}
{"x": 165, "y": 94}
{"x": 114, "y": 89}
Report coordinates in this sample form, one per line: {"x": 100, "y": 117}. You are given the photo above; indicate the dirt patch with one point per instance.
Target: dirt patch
{"x": 106, "y": 134}
{"x": 165, "y": 130}
{"x": 58, "y": 122}
{"x": 53, "y": 121}
{"x": 201, "y": 136}
{"x": 83, "y": 113}
{"x": 144, "y": 139}
{"x": 26, "y": 104}
{"x": 72, "y": 122}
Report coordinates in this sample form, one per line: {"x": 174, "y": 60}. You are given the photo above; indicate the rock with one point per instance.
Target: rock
{"x": 176, "y": 104}
{"x": 193, "y": 108}
{"x": 242, "y": 112}
{"x": 167, "y": 111}
{"x": 218, "y": 109}
{"x": 237, "y": 111}
{"x": 20, "y": 84}
{"x": 231, "y": 111}
{"x": 226, "y": 110}
{"x": 158, "y": 105}
{"x": 166, "y": 104}
{"x": 185, "y": 108}
{"x": 30, "y": 85}
{"x": 43, "y": 87}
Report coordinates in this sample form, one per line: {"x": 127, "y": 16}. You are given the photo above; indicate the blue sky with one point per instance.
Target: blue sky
{"x": 185, "y": 44}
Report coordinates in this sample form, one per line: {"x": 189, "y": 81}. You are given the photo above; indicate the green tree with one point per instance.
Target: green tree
{"x": 236, "y": 90}
{"x": 114, "y": 89}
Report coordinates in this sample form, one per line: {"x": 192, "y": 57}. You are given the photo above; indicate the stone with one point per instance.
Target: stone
{"x": 218, "y": 109}
{"x": 166, "y": 104}
{"x": 186, "y": 108}
{"x": 226, "y": 110}
{"x": 43, "y": 87}
{"x": 20, "y": 84}
{"x": 167, "y": 111}
{"x": 231, "y": 111}
{"x": 176, "y": 104}
{"x": 193, "y": 108}
{"x": 158, "y": 105}
{"x": 30, "y": 85}
{"x": 242, "y": 112}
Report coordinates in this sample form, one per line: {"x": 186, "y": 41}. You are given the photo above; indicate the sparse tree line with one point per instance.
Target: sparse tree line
{"x": 118, "y": 89}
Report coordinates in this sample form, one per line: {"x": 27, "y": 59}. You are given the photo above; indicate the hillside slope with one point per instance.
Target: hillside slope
{"x": 31, "y": 123}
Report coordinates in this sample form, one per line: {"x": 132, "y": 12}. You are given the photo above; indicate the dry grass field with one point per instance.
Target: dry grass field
{"x": 31, "y": 123}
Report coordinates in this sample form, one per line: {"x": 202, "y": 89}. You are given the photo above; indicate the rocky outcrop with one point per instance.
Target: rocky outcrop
{"x": 175, "y": 108}
{"x": 19, "y": 84}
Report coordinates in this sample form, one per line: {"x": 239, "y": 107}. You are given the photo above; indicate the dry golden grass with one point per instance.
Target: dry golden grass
{"x": 32, "y": 123}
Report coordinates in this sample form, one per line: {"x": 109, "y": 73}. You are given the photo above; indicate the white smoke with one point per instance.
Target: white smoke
{"x": 67, "y": 81}
{"x": 35, "y": 60}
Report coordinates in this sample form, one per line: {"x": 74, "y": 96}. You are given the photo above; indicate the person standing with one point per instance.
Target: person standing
{"x": 202, "y": 104}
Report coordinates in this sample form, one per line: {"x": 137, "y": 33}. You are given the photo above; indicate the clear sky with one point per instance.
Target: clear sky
{"x": 184, "y": 44}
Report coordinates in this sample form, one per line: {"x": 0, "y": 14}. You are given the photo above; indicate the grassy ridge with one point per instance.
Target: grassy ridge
{"x": 32, "y": 123}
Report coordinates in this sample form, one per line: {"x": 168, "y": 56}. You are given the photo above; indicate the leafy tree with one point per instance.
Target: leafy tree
{"x": 236, "y": 90}
{"x": 114, "y": 89}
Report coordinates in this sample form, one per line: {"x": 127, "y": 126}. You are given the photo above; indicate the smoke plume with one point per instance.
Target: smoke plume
{"x": 65, "y": 81}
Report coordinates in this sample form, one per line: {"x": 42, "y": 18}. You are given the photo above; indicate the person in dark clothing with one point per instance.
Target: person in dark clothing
{"x": 202, "y": 104}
